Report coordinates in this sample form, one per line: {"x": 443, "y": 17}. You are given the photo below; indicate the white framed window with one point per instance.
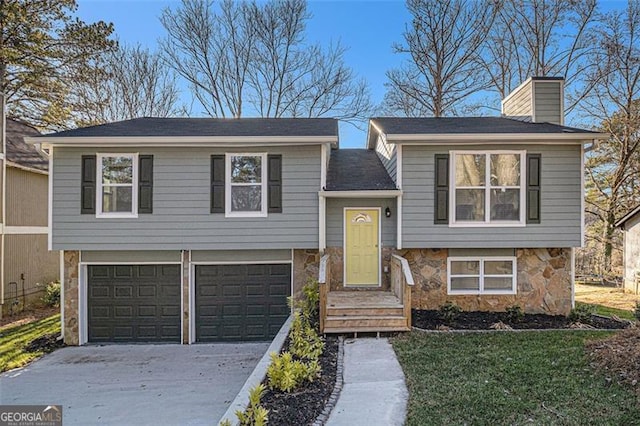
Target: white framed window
{"x": 487, "y": 188}
{"x": 117, "y": 185}
{"x": 481, "y": 275}
{"x": 246, "y": 185}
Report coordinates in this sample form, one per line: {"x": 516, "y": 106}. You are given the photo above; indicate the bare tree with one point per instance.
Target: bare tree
{"x": 129, "y": 82}
{"x": 248, "y": 58}
{"x": 613, "y": 167}
{"x": 541, "y": 38}
{"x": 444, "y": 42}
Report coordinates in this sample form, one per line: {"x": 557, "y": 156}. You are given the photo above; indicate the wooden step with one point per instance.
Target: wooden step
{"x": 364, "y": 330}
{"x": 341, "y": 311}
{"x": 355, "y": 323}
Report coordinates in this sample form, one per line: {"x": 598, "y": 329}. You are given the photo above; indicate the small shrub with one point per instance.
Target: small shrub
{"x": 286, "y": 373}
{"x": 309, "y": 304}
{"x": 514, "y": 314}
{"x": 636, "y": 311}
{"x": 255, "y": 414}
{"x": 449, "y": 312}
{"x": 304, "y": 341}
{"x": 582, "y": 313}
{"x": 51, "y": 295}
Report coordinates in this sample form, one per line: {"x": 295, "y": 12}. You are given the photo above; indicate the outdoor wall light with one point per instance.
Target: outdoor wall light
{"x": 387, "y": 212}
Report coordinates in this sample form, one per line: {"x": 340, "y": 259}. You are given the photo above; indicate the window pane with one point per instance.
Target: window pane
{"x": 466, "y": 283}
{"x": 117, "y": 170}
{"x": 470, "y": 205}
{"x": 464, "y": 267}
{"x": 498, "y": 267}
{"x": 498, "y": 283}
{"x": 505, "y": 169}
{"x": 470, "y": 169}
{"x": 246, "y": 169}
{"x": 116, "y": 199}
{"x": 246, "y": 198}
{"x": 505, "y": 204}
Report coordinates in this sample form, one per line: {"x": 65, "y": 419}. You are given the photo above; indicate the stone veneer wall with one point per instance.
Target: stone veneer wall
{"x": 306, "y": 264}
{"x": 337, "y": 270}
{"x": 71, "y": 307}
{"x": 543, "y": 282}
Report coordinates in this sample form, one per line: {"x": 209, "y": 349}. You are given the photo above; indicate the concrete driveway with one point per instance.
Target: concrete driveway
{"x": 136, "y": 384}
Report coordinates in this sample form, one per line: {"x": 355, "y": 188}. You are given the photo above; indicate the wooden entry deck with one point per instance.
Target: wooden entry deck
{"x": 370, "y": 310}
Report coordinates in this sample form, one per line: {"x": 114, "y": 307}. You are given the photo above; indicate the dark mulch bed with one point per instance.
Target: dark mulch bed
{"x": 432, "y": 320}
{"x": 47, "y": 343}
{"x": 303, "y": 405}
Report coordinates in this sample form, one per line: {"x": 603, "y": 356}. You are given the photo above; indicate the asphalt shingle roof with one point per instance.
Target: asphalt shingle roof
{"x": 18, "y": 151}
{"x": 148, "y": 126}
{"x": 357, "y": 169}
{"x": 466, "y": 125}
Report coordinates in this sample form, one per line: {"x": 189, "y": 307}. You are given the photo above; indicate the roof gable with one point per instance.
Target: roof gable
{"x": 633, "y": 213}
{"x": 18, "y": 151}
{"x": 357, "y": 170}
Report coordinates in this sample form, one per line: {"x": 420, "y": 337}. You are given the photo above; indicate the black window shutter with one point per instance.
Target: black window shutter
{"x": 441, "y": 214}
{"x": 274, "y": 183}
{"x": 533, "y": 188}
{"x": 88, "y": 185}
{"x": 145, "y": 184}
{"x": 217, "y": 183}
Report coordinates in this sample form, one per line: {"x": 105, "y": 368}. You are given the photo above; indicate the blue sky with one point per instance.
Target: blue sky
{"x": 367, "y": 28}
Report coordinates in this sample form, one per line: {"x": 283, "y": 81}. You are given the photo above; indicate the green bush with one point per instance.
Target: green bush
{"x": 304, "y": 341}
{"x": 255, "y": 414}
{"x": 286, "y": 373}
{"x": 51, "y": 295}
{"x": 449, "y": 312}
{"x": 582, "y": 313}
{"x": 514, "y": 314}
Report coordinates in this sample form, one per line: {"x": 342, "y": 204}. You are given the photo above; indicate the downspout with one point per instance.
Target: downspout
{"x": 3, "y": 136}
{"x": 322, "y": 201}
{"x": 399, "y": 186}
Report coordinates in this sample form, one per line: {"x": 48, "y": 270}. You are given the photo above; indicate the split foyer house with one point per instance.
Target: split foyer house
{"x": 25, "y": 261}
{"x": 192, "y": 230}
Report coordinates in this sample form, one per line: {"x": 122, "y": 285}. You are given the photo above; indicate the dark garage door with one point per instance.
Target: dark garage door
{"x": 134, "y": 303}
{"x": 241, "y": 302}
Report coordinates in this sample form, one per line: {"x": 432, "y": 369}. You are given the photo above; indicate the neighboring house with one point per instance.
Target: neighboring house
{"x": 25, "y": 260}
{"x": 197, "y": 230}
{"x": 630, "y": 225}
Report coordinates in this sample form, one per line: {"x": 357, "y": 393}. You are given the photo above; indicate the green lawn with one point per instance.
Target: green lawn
{"x": 537, "y": 378}
{"x": 607, "y": 311}
{"x": 13, "y": 340}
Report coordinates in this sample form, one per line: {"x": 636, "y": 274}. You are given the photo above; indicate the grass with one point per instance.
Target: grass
{"x": 13, "y": 341}
{"x": 509, "y": 379}
{"x": 608, "y": 311}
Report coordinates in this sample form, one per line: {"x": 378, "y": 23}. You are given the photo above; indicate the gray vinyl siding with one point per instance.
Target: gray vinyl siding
{"x": 519, "y": 105}
{"x": 235, "y": 256}
{"x": 181, "y": 216}
{"x": 560, "y": 203}
{"x": 388, "y": 155}
{"x": 548, "y": 105}
{"x": 335, "y": 218}
{"x": 130, "y": 256}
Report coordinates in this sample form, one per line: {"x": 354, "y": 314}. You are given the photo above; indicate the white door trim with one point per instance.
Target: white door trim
{"x": 344, "y": 247}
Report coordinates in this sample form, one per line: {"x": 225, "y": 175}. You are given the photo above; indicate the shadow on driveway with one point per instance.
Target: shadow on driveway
{"x": 136, "y": 384}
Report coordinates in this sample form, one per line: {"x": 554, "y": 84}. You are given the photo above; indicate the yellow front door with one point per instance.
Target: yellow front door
{"x": 362, "y": 254}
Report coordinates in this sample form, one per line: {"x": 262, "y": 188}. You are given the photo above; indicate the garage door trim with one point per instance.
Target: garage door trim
{"x": 83, "y": 295}
{"x": 192, "y": 286}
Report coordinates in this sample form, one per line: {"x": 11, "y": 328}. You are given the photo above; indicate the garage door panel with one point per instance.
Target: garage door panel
{"x": 241, "y": 302}
{"x": 131, "y": 303}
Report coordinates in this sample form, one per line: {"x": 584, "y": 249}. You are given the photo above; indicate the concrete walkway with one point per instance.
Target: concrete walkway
{"x": 374, "y": 390}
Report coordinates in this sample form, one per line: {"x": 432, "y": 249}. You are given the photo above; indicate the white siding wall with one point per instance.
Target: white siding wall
{"x": 387, "y": 154}
{"x": 519, "y": 105}
{"x": 560, "y": 203}
{"x": 181, "y": 216}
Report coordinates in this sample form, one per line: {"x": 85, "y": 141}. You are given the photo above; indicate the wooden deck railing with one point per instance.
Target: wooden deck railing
{"x": 324, "y": 278}
{"x": 401, "y": 282}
